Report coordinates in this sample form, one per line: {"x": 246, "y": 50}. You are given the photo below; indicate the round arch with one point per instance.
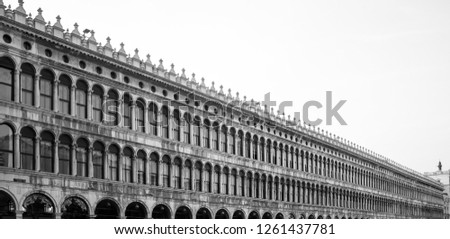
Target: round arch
{"x": 279, "y": 216}
{"x": 267, "y": 215}
{"x": 136, "y": 210}
{"x": 183, "y": 212}
{"x": 8, "y": 205}
{"x": 222, "y": 214}
{"x": 203, "y": 213}
{"x": 253, "y": 215}
{"x": 39, "y": 206}
{"x": 238, "y": 214}
{"x": 107, "y": 209}
{"x": 161, "y": 211}
{"x": 74, "y": 207}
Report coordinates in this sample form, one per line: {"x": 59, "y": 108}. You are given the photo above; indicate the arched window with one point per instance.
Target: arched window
{"x": 176, "y": 125}
{"x": 187, "y": 175}
{"x": 140, "y": 164}
{"x": 81, "y": 99}
{"x": 64, "y": 154}
{"x": 270, "y": 188}
{"x": 46, "y": 88}
{"x": 140, "y": 111}
{"x": 276, "y": 189}
{"x": 207, "y": 179}
{"x": 263, "y": 185}
{"x": 82, "y": 156}
{"x": 233, "y": 182}
{"x": 98, "y": 160}
{"x": 248, "y": 141}
{"x": 206, "y": 129}
{"x": 153, "y": 118}
{"x": 280, "y": 154}
{"x": 112, "y": 108}
{"x": 256, "y": 182}
{"x": 154, "y": 158}
{"x": 127, "y": 101}
{"x": 126, "y": 165}
{"x": 268, "y": 150}
{"x": 262, "y": 142}
{"x": 6, "y": 145}
{"x": 7, "y": 79}
{"x": 165, "y": 122}
{"x": 176, "y": 173}
{"x": 113, "y": 160}
{"x": 216, "y": 178}
{"x": 255, "y": 147}
{"x": 239, "y": 143}
{"x": 97, "y": 104}
{"x": 198, "y": 176}
{"x": 46, "y": 150}
{"x": 215, "y": 136}
{"x": 27, "y": 75}
{"x": 166, "y": 171}
{"x": 65, "y": 85}
{"x": 241, "y": 188}
{"x": 187, "y": 128}
{"x": 196, "y": 129}
{"x": 224, "y": 180}
{"x": 249, "y": 185}
{"x": 223, "y": 138}
{"x": 275, "y": 152}
{"x": 232, "y": 141}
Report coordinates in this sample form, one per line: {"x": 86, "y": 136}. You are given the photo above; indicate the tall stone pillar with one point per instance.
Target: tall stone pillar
{"x": 17, "y": 85}
{"x": 89, "y": 104}
{"x": 73, "y": 159}
{"x": 37, "y": 91}
{"x": 17, "y": 160}
{"x": 90, "y": 167}
{"x": 37, "y": 161}
{"x": 56, "y": 157}
{"x": 133, "y": 116}
{"x": 73, "y": 104}
{"x": 55, "y": 96}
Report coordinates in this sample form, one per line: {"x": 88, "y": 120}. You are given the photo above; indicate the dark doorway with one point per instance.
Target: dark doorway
{"x": 74, "y": 208}
{"x": 222, "y": 214}
{"x": 135, "y": 210}
{"x": 267, "y": 215}
{"x": 38, "y": 206}
{"x": 161, "y": 212}
{"x": 238, "y": 215}
{"x": 7, "y": 206}
{"x": 107, "y": 209}
{"x": 203, "y": 213}
{"x": 183, "y": 212}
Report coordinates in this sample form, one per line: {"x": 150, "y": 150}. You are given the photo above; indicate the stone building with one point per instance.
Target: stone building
{"x": 443, "y": 176}
{"x": 90, "y": 132}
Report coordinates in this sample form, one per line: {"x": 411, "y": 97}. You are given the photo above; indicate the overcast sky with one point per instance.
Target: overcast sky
{"x": 389, "y": 60}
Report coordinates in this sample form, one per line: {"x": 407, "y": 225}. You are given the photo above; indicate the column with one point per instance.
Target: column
{"x": 192, "y": 178}
{"x": 55, "y": 96}
{"x": 89, "y": 104}
{"x": 90, "y": 163}
{"x": 147, "y": 171}
{"x": 169, "y": 123}
{"x": 159, "y": 125}
{"x": 171, "y": 184}
{"x": 146, "y": 123}
{"x": 17, "y": 85}
{"x": 73, "y": 105}
{"x": 16, "y": 152}
{"x": 133, "y": 115}
{"x": 160, "y": 183}
{"x": 106, "y": 166}
{"x": 120, "y": 114}
{"x": 229, "y": 183}
{"x": 37, "y": 153}
{"x": 133, "y": 169}
{"x": 73, "y": 159}
{"x": 104, "y": 107}
{"x": 182, "y": 173}
{"x": 243, "y": 185}
{"x": 37, "y": 91}
{"x": 120, "y": 167}
{"x": 56, "y": 157}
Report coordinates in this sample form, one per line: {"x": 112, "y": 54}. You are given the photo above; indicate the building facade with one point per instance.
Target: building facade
{"x": 90, "y": 132}
{"x": 443, "y": 176}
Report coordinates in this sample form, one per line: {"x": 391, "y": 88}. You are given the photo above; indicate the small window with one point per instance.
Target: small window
{"x": 141, "y": 84}
{"x": 82, "y": 64}
{"x": 126, "y": 79}
{"x": 206, "y": 107}
{"x": 113, "y": 75}
{"x": 27, "y": 46}
{"x": 66, "y": 59}
{"x": 153, "y": 89}
{"x": 197, "y": 103}
{"x": 99, "y": 70}
{"x": 164, "y": 92}
{"x": 7, "y": 38}
{"x": 175, "y": 96}
{"x": 48, "y": 53}
{"x": 187, "y": 101}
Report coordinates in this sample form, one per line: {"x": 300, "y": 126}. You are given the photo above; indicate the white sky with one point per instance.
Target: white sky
{"x": 389, "y": 60}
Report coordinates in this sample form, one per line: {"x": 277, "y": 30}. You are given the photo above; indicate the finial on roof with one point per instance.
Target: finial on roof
{"x": 39, "y": 17}
{"x": 92, "y": 38}
{"x": 136, "y": 54}
{"x": 108, "y": 43}
{"x": 20, "y": 8}
{"x": 237, "y": 96}
{"x": 183, "y": 73}
{"x": 58, "y": 23}
{"x": 221, "y": 90}
{"x": 440, "y": 166}
{"x": 172, "y": 68}
{"x": 245, "y": 98}
{"x": 122, "y": 49}
{"x": 229, "y": 93}
{"x": 75, "y": 30}
{"x": 203, "y": 82}
{"x": 148, "y": 61}
{"x": 161, "y": 67}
